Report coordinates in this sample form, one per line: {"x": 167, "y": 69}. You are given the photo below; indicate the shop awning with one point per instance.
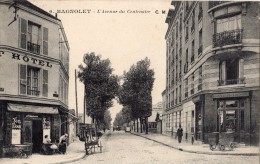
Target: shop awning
{"x": 32, "y": 109}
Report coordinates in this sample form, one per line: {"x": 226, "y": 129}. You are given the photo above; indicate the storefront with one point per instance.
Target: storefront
{"x": 233, "y": 114}
{"x": 27, "y": 124}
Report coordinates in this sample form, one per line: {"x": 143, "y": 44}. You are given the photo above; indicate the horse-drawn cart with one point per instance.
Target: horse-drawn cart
{"x": 91, "y": 138}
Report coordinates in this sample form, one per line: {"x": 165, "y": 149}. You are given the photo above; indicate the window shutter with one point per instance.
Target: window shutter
{"x": 23, "y": 82}
{"x": 45, "y": 83}
{"x": 45, "y": 41}
{"x": 23, "y": 33}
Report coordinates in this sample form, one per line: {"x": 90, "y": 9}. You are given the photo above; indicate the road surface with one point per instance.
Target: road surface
{"x": 125, "y": 148}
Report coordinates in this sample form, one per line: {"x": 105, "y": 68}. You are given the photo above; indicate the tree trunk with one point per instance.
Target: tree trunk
{"x": 141, "y": 125}
{"x": 146, "y": 125}
{"x": 137, "y": 126}
{"x": 134, "y": 125}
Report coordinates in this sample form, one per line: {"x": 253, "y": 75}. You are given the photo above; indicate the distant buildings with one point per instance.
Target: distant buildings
{"x": 212, "y": 70}
{"x": 154, "y": 121}
{"x": 34, "y": 75}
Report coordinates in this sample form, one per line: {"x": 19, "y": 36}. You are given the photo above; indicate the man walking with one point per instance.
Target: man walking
{"x": 179, "y": 133}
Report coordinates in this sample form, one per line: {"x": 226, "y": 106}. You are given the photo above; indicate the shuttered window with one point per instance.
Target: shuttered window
{"x": 45, "y": 41}
{"x": 45, "y": 83}
{"x": 23, "y": 82}
{"x": 23, "y": 33}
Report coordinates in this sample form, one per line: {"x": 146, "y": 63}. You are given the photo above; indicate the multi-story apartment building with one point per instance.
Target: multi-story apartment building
{"x": 34, "y": 75}
{"x": 212, "y": 72}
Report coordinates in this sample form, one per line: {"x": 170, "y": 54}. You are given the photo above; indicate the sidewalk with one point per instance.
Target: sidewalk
{"x": 198, "y": 148}
{"x": 75, "y": 151}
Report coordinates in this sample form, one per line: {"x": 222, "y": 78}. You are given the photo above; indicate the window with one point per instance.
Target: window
{"x": 192, "y": 52}
{"x": 227, "y": 24}
{"x": 200, "y": 11}
{"x": 32, "y": 36}
{"x": 180, "y": 94}
{"x": 200, "y": 43}
{"x": 30, "y": 80}
{"x": 200, "y": 79}
{"x": 231, "y": 72}
{"x": 187, "y": 33}
{"x": 193, "y": 22}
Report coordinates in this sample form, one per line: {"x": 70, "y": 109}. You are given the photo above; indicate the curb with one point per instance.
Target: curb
{"x": 198, "y": 152}
{"x": 72, "y": 160}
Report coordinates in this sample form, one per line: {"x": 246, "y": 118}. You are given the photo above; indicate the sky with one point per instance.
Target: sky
{"x": 124, "y": 37}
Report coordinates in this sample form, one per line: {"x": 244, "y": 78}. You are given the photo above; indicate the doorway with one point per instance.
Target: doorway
{"x": 37, "y": 135}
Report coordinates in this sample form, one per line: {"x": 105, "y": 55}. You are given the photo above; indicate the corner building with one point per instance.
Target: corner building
{"x": 34, "y": 76}
{"x": 212, "y": 72}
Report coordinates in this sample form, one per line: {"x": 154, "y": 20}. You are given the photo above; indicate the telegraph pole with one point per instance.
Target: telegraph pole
{"x": 76, "y": 95}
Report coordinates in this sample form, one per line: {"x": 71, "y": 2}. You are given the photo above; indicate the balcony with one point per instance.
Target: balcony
{"x": 33, "y": 92}
{"x": 35, "y": 48}
{"x": 231, "y": 81}
{"x": 216, "y": 3}
{"x": 200, "y": 50}
{"x": 227, "y": 38}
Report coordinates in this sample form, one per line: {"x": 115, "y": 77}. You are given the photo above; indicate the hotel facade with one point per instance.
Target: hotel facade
{"x": 212, "y": 70}
{"x": 34, "y": 76}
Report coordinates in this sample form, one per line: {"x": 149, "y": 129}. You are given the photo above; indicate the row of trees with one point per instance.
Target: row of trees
{"x": 101, "y": 87}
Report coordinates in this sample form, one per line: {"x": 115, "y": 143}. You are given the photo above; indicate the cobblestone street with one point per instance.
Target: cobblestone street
{"x": 121, "y": 147}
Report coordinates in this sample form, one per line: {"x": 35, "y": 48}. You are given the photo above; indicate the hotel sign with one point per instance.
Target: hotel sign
{"x": 31, "y": 60}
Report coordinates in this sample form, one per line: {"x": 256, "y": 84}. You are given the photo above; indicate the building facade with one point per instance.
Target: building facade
{"x": 155, "y": 120}
{"x": 212, "y": 72}
{"x": 34, "y": 75}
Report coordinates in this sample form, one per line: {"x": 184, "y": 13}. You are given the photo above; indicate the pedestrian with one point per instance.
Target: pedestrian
{"x": 179, "y": 133}
{"x": 63, "y": 143}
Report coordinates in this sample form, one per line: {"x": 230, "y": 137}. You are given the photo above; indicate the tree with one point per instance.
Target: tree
{"x": 136, "y": 90}
{"x": 101, "y": 86}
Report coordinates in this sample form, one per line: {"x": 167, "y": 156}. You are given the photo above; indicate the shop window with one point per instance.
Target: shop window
{"x": 242, "y": 103}
{"x": 231, "y": 103}
{"x": 16, "y": 129}
{"x": 231, "y": 120}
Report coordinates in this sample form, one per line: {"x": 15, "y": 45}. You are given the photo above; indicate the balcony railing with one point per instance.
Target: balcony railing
{"x": 215, "y": 3}
{"x": 231, "y": 81}
{"x": 33, "y": 92}
{"x": 35, "y": 48}
{"x": 227, "y": 38}
{"x": 200, "y": 50}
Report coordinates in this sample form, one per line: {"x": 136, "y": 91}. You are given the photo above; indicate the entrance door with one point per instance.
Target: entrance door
{"x": 198, "y": 122}
{"x": 37, "y": 135}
